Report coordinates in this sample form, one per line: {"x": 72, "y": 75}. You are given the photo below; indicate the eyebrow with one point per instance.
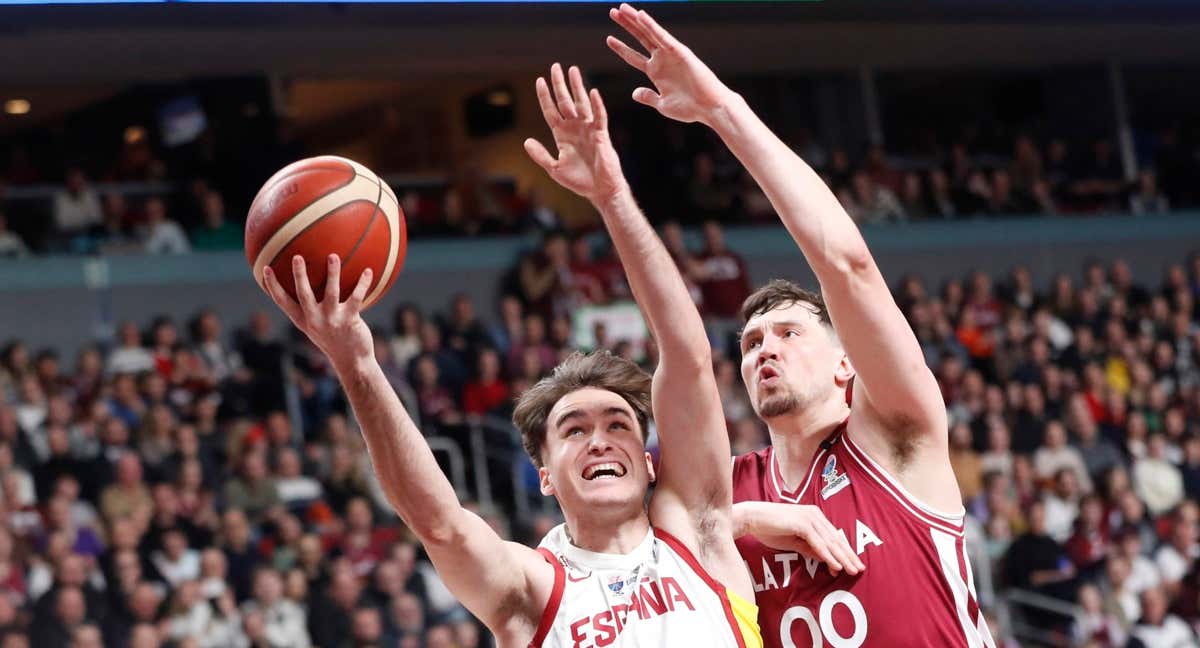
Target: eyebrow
{"x": 578, "y": 413}
{"x": 774, "y": 324}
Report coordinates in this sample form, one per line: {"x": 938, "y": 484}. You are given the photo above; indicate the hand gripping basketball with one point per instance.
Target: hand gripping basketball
{"x": 336, "y": 327}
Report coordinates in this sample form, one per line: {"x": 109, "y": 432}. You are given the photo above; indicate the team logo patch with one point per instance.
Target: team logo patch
{"x": 834, "y": 481}
{"x": 618, "y": 583}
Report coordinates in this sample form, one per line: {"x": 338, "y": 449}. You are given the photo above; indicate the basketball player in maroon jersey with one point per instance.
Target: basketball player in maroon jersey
{"x": 880, "y": 471}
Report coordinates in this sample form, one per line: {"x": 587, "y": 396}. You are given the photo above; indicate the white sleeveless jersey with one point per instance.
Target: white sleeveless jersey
{"x": 657, "y": 595}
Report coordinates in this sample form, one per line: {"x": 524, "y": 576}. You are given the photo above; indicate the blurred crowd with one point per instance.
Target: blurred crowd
{"x": 1037, "y": 178}
{"x": 145, "y": 205}
{"x": 193, "y": 486}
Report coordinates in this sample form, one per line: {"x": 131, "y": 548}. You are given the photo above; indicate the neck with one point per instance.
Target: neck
{"x": 604, "y": 534}
{"x": 797, "y": 436}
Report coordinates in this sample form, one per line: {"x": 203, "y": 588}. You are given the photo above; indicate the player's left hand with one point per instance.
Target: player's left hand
{"x": 800, "y": 528}
{"x": 685, "y": 88}
{"x": 586, "y": 164}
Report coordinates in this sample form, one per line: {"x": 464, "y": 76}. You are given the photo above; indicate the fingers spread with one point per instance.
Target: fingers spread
{"x": 281, "y": 298}
{"x": 562, "y": 96}
{"x": 627, "y": 53}
{"x": 579, "y": 94}
{"x": 304, "y": 291}
{"x": 539, "y": 154}
{"x": 627, "y": 18}
{"x": 333, "y": 282}
{"x": 651, "y": 29}
{"x": 656, "y": 31}
{"x": 598, "y": 109}
{"x": 549, "y": 110}
{"x": 360, "y": 290}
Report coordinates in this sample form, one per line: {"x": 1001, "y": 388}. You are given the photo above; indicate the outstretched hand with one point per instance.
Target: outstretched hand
{"x": 800, "y": 528}
{"x": 685, "y": 88}
{"x": 336, "y": 327}
{"x": 586, "y": 164}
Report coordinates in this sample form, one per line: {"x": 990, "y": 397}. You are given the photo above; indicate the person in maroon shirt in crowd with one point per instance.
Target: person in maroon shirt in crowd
{"x": 587, "y": 276}
{"x": 1088, "y": 546}
{"x": 724, "y": 281}
{"x": 488, "y": 390}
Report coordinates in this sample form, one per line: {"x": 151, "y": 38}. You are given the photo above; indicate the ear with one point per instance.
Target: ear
{"x": 650, "y": 468}
{"x": 843, "y": 372}
{"x": 544, "y": 484}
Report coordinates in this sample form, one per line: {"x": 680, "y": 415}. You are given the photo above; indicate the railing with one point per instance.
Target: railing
{"x": 1035, "y": 635}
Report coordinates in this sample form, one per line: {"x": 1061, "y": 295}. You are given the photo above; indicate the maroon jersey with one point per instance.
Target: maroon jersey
{"x": 917, "y": 588}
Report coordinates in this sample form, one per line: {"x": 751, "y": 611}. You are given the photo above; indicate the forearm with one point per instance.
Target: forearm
{"x": 808, "y": 208}
{"x": 656, "y": 282}
{"x": 406, "y": 467}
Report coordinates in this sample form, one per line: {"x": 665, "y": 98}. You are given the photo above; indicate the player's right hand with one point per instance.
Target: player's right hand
{"x": 336, "y": 327}
{"x": 687, "y": 90}
{"x": 800, "y": 528}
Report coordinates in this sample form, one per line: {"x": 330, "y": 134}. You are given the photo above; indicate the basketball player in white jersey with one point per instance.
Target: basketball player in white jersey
{"x": 615, "y": 574}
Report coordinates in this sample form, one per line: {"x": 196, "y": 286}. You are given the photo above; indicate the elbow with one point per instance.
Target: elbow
{"x": 856, "y": 260}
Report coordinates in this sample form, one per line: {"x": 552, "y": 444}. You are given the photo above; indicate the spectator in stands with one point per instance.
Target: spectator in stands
{"x": 941, "y": 199}
{"x": 1035, "y": 561}
{"x": 1158, "y": 627}
{"x": 545, "y": 277}
{"x": 722, "y": 275}
{"x": 874, "y": 203}
{"x": 1155, "y": 479}
{"x": 215, "y": 233}
{"x": 488, "y": 392}
{"x": 912, "y": 197}
{"x": 1147, "y": 199}
{"x": 1055, "y": 455}
{"x": 11, "y": 245}
{"x": 128, "y": 495}
{"x": 1093, "y": 625}
{"x": 76, "y": 206}
{"x": 161, "y": 235}
{"x": 285, "y": 622}
{"x": 253, "y": 490}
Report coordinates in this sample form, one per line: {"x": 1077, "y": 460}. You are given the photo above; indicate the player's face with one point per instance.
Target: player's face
{"x": 789, "y": 361}
{"x": 594, "y": 455}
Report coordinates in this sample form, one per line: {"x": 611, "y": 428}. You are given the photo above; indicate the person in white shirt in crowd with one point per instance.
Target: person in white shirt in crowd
{"x": 1093, "y": 622}
{"x": 285, "y": 622}
{"x": 210, "y": 623}
{"x": 1119, "y": 598}
{"x": 1143, "y": 572}
{"x": 1176, "y": 557}
{"x": 176, "y": 561}
{"x": 76, "y": 206}
{"x": 1062, "y": 505}
{"x": 130, "y": 357}
{"x": 1156, "y": 480}
{"x": 1055, "y": 455}
{"x": 162, "y": 235}
{"x": 11, "y": 245}
{"x": 293, "y": 486}
{"x": 1159, "y": 629}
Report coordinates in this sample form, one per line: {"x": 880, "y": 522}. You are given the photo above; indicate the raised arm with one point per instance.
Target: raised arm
{"x": 694, "y": 485}
{"x": 505, "y": 584}
{"x": 893, "y": 379}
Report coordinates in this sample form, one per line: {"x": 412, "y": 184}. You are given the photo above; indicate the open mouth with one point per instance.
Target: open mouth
{"x": 767, "y": 375}
{"x": 609, "y": 470}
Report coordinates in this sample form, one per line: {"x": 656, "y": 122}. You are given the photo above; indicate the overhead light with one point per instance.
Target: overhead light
{"x": 17, "y": 106}
{"x": 134, "y": 134}
{"x": 500, "y": 98}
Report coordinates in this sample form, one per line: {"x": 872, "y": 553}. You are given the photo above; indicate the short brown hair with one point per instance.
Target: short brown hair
{"x": 781, "y": 293}
{"x": 599, "y": 369}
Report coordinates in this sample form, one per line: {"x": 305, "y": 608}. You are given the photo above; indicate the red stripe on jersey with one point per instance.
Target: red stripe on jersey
{"x": 950, "y": 524}
{"x": 551, "y": 609}
{"x": 972, "y": 604}
{"x": 681, "y": 549}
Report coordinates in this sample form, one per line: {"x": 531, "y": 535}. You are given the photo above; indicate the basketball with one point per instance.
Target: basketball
{"x": 321, "y": 206}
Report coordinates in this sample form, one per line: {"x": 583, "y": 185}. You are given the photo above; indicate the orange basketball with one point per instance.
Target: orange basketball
{"x": 321, "y": 206}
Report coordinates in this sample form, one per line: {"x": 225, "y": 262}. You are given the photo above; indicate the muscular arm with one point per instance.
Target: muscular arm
{"x": 694, "y": 493}
{"x": 503, "y": 583}
{"x": 899, "y": 388}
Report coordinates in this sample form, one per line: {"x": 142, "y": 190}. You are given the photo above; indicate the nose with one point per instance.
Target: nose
{"x": 599, "y": 442}
{"x": 766, "y": 351}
